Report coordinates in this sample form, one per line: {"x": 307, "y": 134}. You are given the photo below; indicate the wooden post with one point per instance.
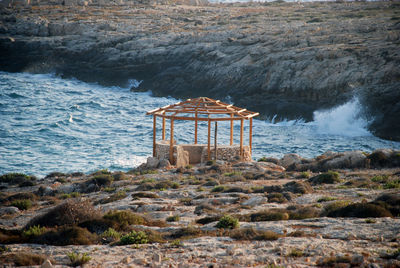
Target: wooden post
{"x": 241, "y": 139}
{"x": 171, "y": 143}
{"x": 231, "y": 143}
{"x": 163, "y": 128}
{"x": 154, "y": 134}
{"x": 209, "y": 140}
{"x": 251, "y": 134}
{"x": 215, "y": 140}
{"x": 195, "y": 128}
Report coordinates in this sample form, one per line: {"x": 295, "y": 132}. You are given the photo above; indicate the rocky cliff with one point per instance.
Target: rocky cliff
{"x": 287, "y": 59}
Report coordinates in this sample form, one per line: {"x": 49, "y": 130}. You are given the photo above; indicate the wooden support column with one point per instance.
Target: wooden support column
{"x": 171, "y": 143}
{"x": 231, "y": 141}
{"x": 163, "y": 128}
{"x": 209, "y": 140}
{"x": 195, "y": 128}
{"x": 241, "y": 139}
{"x": 215, "y": 140}
{"x": 154, "y": 134}
{"x": 251, "y": 134}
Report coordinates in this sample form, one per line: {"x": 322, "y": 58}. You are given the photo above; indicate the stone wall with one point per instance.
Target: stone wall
{"x": 198, "y": 152}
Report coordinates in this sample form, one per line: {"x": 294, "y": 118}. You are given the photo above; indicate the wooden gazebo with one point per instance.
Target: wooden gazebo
{"x": 202, "y": 109}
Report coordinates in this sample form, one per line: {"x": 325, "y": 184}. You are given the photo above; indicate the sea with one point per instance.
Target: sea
{"x": 50, "y": 124}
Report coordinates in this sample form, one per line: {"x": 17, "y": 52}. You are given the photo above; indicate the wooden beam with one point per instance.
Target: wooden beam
{"x": 209, "y": 140}
{"x": 215, "y": 140}
{"x": 250, "y": 134}
{"x": 171, "y": 143}
{"x": 163, "y": 129}
{"x": 154, "y": 134}
{"x": 231, "y": 139}
{"x": 241, "y": 139}
{"x": 195, "y": 129}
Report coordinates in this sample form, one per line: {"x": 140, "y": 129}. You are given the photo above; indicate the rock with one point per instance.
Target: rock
{"x": 290, "y": 159}
{"x": 164, "y": 163}
{"x": 182, "y": 157}
{"x": 157, "y": 258}
{"x": 47, "y": 264}
{"x": 126, "y": 260}
{"x": 357, "y": 260}
{"x": 270, "y": 166}
{"x": 45, "y": 191}
{"x": 254, "y": 201}
{"x": 152, "y": 162}
{"x": 66, "y": 188}
{"x": 8, "y": 210}
{"x": 354, "y": 159}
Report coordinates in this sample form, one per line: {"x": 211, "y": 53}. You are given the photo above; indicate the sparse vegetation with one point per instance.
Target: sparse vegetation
{"x": 34, "y": 231}
{"x": 173, "y": 218}
{"x": 22, "y": 204}
{"x": 252, "y": 234}
{"x": 228, "y": 222}
{"x": 329, "y": 177}
{"x": 78, "y": 259}
{"x": 134, "y": 238}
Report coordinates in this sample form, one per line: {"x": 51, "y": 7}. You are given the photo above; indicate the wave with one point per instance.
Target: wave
{"x": 344, "y": 120}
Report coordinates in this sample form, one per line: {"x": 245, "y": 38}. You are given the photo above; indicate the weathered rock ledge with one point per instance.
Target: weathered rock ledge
{"x": 223, "y": 214}
{"x": 276, "y": 58}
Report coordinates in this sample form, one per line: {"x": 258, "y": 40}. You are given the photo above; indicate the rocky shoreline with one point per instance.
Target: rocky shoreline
{"x": 288, "y": 59}
{"x": 342, "y": 211}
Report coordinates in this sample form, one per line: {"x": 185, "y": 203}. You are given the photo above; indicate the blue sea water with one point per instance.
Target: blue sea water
{"x": 51, "y": 124}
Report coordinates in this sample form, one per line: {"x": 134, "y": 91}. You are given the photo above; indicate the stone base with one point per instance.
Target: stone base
{"x": 185, "y": 154}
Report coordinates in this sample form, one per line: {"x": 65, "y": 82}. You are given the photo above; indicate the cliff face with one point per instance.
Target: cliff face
{"x": 277, "y": 58}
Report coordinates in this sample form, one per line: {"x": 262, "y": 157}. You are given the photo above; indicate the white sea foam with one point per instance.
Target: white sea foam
{"x": 344, "y": 120}
{"x": 130, "y": 162}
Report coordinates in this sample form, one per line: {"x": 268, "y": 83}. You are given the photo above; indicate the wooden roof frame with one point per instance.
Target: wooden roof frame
{"x": 202, "y": 109}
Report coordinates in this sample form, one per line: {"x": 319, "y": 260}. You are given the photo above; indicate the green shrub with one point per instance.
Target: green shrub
{"x": 134, "y": 238}
{"x": 233, "y": 173}
{"x": 16, "y": 178}
{"x": 22, "y": 204}
{"x": 176, "y": 243}
{"x": 380, "y": 178}
{"x": 394, "y": 184}
{"x": 34, "y": 231}
{"x": 329, "y": 177}
{"x": 111, "y": 233}
{"x": 173, "y": 218}
{"x": 305, "y": 175}
{"x": 102, "y": 180}
{"x": 78, "y": 259}
{"x": 71, "y": 195}
{"x": 276, "y": 198}
{"x": 228, "y": 222}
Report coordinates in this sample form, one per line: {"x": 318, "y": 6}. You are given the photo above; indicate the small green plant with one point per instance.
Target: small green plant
{"x": 111, "y": 233}
{"x": 189, "y": 166}
{"x": 78, "y": 259}
{"x": 109, "y": 189}
{"x": 33, "y": 231}
{"x": 175, "y": 185}
{"x": 71, "y": 195}
{"x": 134, "y": 238}
{"x": 394, "y": 184}
{"x": 370, "y": 221}
{"x": 380, "y": 178}
{"x": 296, "y": 253}
{"x": 305, "y": 175}
{"x": 173, "y": 218}
{"x": 22, "y": 204}
{"x": 218, "y": 189}
{"x": 234, "y": 173}
{"x": 228, "y": 222}
{"x": 148, "y": 171}
{"x": 262, "y": 159}
{"x": 326, "y": 199}
{"x": 176, "y": 243}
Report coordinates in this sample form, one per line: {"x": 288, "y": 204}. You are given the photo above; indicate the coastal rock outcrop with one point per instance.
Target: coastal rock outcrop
{"x": 279, "y": 59}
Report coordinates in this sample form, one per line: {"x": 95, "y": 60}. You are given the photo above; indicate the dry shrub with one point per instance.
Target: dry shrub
{"x": 23, "y": 259}
{"x": 144, "y": 195}
{"x": 269, "y": 215}
{"x": 71, "y": 212}
{"x": 361, "y": 210}
{"x": 207, "y": 220}
{"x": 67, "y": 236}
{"x": 252, "y": 234}
{"x": 187, "y": 232}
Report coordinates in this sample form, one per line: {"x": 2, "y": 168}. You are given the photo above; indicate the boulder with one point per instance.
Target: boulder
{"x": 164, "y": 163}
{"x": 255, "y": 201}
{"x": 152, "y": 162}
{"x": 8, "y": 211}
{"x": 353, "y": 159}
{"x": 290, "y": 159}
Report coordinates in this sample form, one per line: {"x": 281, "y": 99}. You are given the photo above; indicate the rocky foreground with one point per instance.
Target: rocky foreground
{"x": 288, "y": 59}
{"x": 344, "y": 212}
